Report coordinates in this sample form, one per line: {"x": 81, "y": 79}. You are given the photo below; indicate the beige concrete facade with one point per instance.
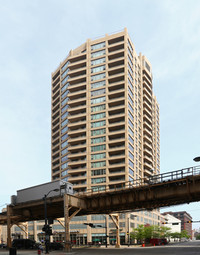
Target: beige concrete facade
{"x": 105, "y": 122}
{"x": 104, "y": 129}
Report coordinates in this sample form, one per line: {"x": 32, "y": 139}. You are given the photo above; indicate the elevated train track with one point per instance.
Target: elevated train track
{"x": 172, "y": 188}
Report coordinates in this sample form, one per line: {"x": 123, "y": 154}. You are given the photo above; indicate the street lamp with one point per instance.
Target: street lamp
{"x": 197, "y": 159}
{"x": 47, "y": 228}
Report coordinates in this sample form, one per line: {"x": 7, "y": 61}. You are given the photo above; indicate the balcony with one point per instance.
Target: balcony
{"x": 77, "y": 92}
{"x": 120, "y": 128}
{"x": 77, "y": 59}
{"x": 116, "y": 71}
{"x": 116, "y": 146}
{"x": 116, "y": 87}
{"x": 116, "y": 105}
{"x": 74, "y": 130}
{"x": 115, "y": 171}
{"x": 116, "y": 63}
{"x": 116, "y": 56}
{"x": 116, "y": 40}
{"x": 116, "y": 120}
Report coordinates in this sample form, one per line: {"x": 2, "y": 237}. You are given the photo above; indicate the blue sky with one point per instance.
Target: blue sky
{"x": 35, "y": 36}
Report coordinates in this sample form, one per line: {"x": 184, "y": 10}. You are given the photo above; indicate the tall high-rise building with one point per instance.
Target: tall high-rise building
{"x": 105, "y": 119}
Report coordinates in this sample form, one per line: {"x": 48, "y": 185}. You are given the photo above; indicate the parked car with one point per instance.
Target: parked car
{"x": 23, "y": 244}
{"x": 3, "y": 245}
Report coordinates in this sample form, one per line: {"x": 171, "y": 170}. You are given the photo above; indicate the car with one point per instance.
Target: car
{"x": 23, "y": 244}
{"x": 3, "y": 245}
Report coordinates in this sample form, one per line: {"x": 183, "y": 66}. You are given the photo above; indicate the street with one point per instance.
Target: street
{"x": 186, "y": 248}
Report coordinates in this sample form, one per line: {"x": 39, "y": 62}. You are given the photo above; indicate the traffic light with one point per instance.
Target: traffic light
{"x": 189, "y": 221}
{"x": 44, "y": 228}
{"x": 47, "y": 229}
{"x": 90, "y": 224}
{"x": 164, "y": 222}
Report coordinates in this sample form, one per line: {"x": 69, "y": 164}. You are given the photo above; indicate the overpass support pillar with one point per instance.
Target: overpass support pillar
{"x": 115, "y": 219}
{"x": 9, "y": 225}
{"x": 67, "y": 247}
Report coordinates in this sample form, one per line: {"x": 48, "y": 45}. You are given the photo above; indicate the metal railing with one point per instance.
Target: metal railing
{"x": 152, "y": 180}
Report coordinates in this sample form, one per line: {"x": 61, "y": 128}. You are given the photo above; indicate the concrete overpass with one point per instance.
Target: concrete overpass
{"x": 173, "y": 188}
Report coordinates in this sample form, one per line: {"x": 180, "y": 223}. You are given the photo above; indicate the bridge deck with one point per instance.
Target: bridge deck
{"x": 172, "y": 188}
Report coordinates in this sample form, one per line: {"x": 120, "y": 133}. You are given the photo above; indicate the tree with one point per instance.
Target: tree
{"x": 175, "y": 235}
{"x": 198, "y": 237}
{"x": 138, "y": 233}
{"x": 184, "y": 234}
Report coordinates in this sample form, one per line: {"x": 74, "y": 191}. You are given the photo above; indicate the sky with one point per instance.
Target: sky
{"x": 35, "y": 36}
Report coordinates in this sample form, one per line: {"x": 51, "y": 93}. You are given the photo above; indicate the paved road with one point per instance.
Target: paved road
{"x": 187, "y": 248}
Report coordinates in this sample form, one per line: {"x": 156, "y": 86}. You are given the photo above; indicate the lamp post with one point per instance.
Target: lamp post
{"x": 197, "y": 159}
{"x": 128, "y": 231}
{"x": 46, "y": 226}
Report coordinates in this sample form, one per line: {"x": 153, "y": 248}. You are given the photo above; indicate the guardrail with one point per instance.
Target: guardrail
{"x": 155, "y": 179}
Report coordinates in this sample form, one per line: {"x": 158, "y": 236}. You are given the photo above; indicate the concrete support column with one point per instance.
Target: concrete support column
{"x": 67, "y": 247}
{"x": 9, "y": 242}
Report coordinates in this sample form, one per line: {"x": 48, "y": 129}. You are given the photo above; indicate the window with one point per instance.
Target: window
{"x": 98, "y": 172}
{"x": 130, "y": 100}
{"x": 130, "y": 107}
{"x": 98, "y": 140}
{"x": 65, "y": 108}
{"x": 98, "y": 156}
{"x": 98, "y": 54}
{"x": 130, "y": 84}
{"x": 63, "y": 159}
{"x": 65, "y": 165}
{"x": 98, "y": 116}
{"x": 98, "y": 108}
{"x": 64, "y": 137}
{"x": 98, "y": 61}
{"x": 64, "y": 144}
{"x": 98, "y": 76}
{"x": 98, "y": 188}
{"x": 98, "y": 100}
{"x": 98, "y": 180}
{"x": 65, "y": 73}
{"x": 130, "y": 139}
{"x": 65, "y": 80}
{"x": 64, "y": 123}
{"x": 64, "y": 101}
{"x": 129, "y": 44}
{"x": 98, "y": 84}
{"x": 130, "y": 131}
{"x": 64, "y": 87}
{"x": 131, "y": 163}
{"x": 64, "y": 115}
{"x": 130, "y": 116}
{"x": 65, "y": 66}
{"x": 98, "y": 148}
{"x": 98, "y": 92}
{"x": 130, "y": 92}
{"x": 65, "y": 94}
{"x": 98, "y": 124}
{"x": 64, "y": 130}
{"x": 98, "y": 46}
{"x": 131, "y": 155}
{"x": 64, "y": 151}
{"x": 98, "y": 164}
{"x": 98, "y": 132}
{"x": 98, "y": 69}
{"x": 130, "y": 123}
{"x": 131, "y": 171}
{"x": 130, "y": 147}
